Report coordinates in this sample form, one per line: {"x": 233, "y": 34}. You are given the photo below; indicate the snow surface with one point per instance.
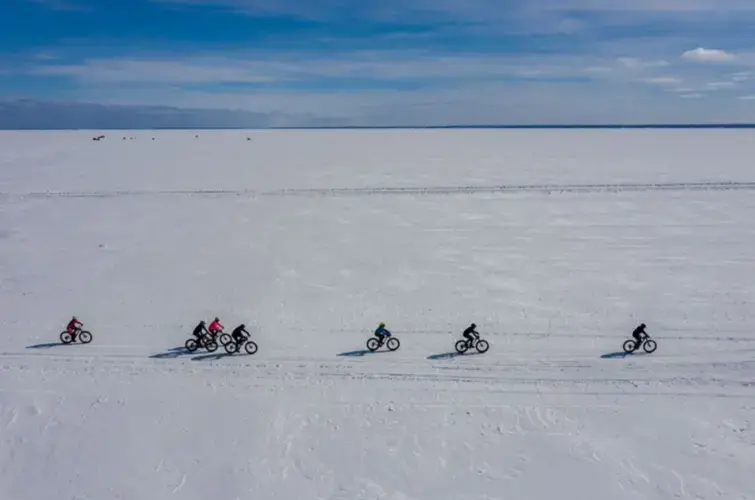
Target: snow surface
{"x": 312, "y": 238}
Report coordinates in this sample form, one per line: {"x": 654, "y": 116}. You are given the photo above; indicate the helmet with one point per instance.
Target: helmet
{"x": 201, "y": 322}
{"x": 474, "y": 326}
{"x": 382, "y": 324}
{"x": 642, "y": 325}
{"x": 217, "y": 319}
{"x": 242, "y": 325}
{"x": 73, "y": 319}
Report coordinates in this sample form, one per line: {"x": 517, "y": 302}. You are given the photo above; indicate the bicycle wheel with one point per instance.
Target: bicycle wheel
{"x": 628, "y": 346}
{"x": 66, "y": 337}
{"x": 373, "y": 344}
{"x": 482, "y": 346}
{"x": 191, "y": 345}
{"x": 231, "y": 347}
{"x": 85, "y": 337}
{"x": 250, "y": 347}
{"x": 393, "y": 344}
{"x": 649, "y": 346}
{"x": 461, "y": 346}
{"x": 211, "y": 346}
{"x": 225, "y": 339}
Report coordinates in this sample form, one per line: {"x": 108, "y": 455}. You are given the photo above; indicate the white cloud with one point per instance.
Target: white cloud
{"x": 663, "y": 80}
{"x": 720, "y": 85}
{"x": 708, "y": 55}
{"x": 741, "y": 76}
{"x": 261, "y": 68}
{"x": 747, "y": 98}
{"x": 694, "y": 95}
{"x": 155, "y": 71}
{"x": 599, "y": 70}
{"x": 636, "y": 64}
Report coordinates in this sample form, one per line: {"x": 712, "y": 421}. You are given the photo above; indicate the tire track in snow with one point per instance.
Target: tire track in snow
{"x": 397, "y": 191}
{"x": 259, "y": 373}
{"x": 180, "y": 484}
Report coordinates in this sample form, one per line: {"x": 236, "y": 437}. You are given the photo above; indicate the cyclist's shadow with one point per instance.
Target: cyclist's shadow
{"x": 211, "y": 356}
{"x": 622, "y": 354}
{"x": 445, "y": 355}
{"x": 173, "y": 353}
{"x": 48, "y": 345}
{"x": 452, "y": 355}
{"x": 360, "y": 353}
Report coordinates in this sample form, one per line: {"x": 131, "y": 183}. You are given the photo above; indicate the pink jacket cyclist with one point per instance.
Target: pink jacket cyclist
{"x": 216, "y": 327}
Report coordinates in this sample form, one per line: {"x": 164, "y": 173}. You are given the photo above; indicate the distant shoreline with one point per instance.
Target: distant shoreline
{"x": 434, "y": 127}
{"x": 530, "y": 127}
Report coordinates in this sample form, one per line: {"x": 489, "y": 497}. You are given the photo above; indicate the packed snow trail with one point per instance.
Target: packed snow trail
{"x": 233, "y": 426}
{"x": 411, "y": 191}
{"x": 555, "y": 283}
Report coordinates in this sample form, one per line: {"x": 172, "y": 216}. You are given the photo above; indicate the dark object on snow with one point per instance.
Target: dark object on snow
{"x": 640, "y": 339}
{"x": 375, "y": 343}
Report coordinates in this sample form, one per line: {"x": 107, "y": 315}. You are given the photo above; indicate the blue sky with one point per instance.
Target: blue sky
{"x": 389, "y": 62}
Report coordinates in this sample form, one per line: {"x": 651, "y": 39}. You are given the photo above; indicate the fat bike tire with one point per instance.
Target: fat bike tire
{"x": 482, "y": 346}
{"x": 373, "y": 344}
{"x": 461, "y": 346}
{"x": 649, "y": 346}
{"x": 393, "y": 344}
{"x": 629, "y": 346}
{"x": 250, "y": 347}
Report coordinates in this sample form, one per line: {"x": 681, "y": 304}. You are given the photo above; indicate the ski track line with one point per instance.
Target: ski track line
{"x": 495, "y": 363}
{"x": 455, "y": 363}
{"x": 409, "y": 190}
{"x": 554, "y": 385}
{"x": 230, "y": 361}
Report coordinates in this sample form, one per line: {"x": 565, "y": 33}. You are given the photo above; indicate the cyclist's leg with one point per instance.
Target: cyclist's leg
{"x": 637, "y": 341}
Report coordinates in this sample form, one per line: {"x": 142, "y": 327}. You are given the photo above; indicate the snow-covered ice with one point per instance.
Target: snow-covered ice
{"x": 313, "y": 237}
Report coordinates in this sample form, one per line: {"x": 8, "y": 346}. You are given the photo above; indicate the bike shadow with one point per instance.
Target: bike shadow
{"x": 445, "y": 355}
{"x": 47, "y": 345}
{"x": 451, "y": 355}
{"x": 360, "y": 353}
{"x": 622, "y": 354}
{"x": 173, "y": 353}
{"x": 211, "y": 357}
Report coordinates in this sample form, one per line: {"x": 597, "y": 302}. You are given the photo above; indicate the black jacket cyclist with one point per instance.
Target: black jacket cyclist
{"x": 470, "y": 333}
